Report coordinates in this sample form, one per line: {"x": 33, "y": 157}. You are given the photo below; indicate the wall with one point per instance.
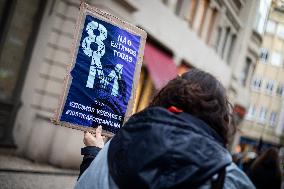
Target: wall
{"x": 34, "y": 134}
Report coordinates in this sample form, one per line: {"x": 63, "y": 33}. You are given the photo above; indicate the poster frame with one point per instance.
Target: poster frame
{"x": 85, "y": 10}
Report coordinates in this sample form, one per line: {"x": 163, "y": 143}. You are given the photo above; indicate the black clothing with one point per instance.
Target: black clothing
{"x": 89, "y": 153}
{"x": 179, "y": 150}
{"x": 266, "y": 175}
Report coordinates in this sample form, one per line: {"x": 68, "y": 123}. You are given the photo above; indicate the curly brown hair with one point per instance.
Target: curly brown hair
{"x": 203, "y": 96}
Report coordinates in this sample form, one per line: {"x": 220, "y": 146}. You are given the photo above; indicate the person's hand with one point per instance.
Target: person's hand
{"x": 91, "y": 140}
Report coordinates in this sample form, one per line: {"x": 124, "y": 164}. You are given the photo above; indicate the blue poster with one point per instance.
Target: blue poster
{"x": 102, "y": 76}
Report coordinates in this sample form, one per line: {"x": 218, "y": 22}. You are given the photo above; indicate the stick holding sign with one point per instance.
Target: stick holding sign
{"x": 101, "y": 83}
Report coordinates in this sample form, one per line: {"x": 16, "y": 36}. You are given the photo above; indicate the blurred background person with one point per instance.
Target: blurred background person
{"x": 265, "y": 171}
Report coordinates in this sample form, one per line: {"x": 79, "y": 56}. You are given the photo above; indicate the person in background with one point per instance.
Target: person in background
{"x": 265, "y": 172}
{"x": 178, "y": 142}
{"x": 237, "y": 156}
{"x": 248, "y": 159}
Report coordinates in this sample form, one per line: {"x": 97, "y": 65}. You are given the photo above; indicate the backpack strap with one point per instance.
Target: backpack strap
{"x": 218, "y": 183}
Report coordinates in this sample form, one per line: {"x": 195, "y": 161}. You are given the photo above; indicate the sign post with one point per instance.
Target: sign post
{"x": 101, "y": 82}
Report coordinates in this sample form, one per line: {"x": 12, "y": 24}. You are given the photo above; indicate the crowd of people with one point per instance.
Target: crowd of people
{"x": 263, "y": 167}
{"x": 179, "y": 142}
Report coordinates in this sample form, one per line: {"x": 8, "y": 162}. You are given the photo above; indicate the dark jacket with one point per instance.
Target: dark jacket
{"x": 159, "y": 149}
{"x": 266, "y": 173}
{"x": 89, "y": 153}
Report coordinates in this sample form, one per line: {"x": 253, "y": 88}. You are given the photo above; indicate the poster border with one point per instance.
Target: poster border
{"x": 85, "y": 10}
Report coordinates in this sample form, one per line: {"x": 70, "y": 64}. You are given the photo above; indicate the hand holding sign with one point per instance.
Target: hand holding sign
{"x": 97, "y": 140}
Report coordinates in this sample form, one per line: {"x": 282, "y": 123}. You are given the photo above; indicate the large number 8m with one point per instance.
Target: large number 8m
{"x": 96, "y": 66}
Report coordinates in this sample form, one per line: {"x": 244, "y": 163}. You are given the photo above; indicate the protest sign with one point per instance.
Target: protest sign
{"x": 101, "y": 82}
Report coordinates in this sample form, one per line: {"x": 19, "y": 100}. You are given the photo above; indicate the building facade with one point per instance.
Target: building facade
{"x": 264, "y": 118}
{"x": 213, "y": 35}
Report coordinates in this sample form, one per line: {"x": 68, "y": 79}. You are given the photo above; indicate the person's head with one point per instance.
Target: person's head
{"x": 265, "y": 171}
{"x": 200, "y": 94}
{"x": 269, "y": 156}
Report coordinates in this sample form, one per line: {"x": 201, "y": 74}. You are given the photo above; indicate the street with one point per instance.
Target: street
{"x": 20, "y": 173}
{"x": 29, "y": 180}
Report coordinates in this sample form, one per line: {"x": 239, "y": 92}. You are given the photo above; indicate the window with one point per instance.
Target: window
{"x": 19, "y": 23}
{"x": 269, "y": 86}
{"x": 263, "y": 55}
{"x": 218, "y": 38}
{"x": 227, "y": 34}
{"x": 245, "y": 71}
{"x": 271, "y": 27}
{"x": 179, "y": 5}
{"x": 276, "y": 59}
{"x": 262, "y": 115}
{"x": 231, "y": 48}
{"x": 251, "y": 112}
{"x": 280, "y": 31}
{"x": 273, "y": 118}
{"x": 256, "y": 83}
{"x": 280, "y": 89}
{"x": 171, "y": 4}
{"x": 17, "y": 33}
